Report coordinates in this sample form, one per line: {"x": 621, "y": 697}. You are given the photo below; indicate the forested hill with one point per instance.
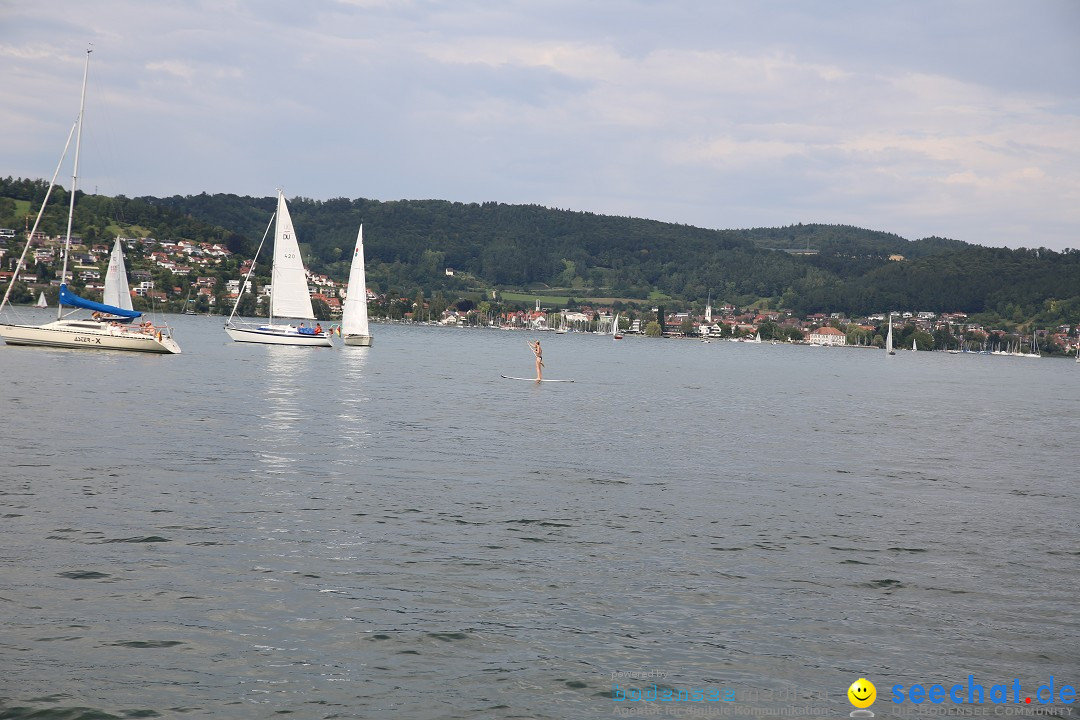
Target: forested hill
{"x": 410, "y": 243}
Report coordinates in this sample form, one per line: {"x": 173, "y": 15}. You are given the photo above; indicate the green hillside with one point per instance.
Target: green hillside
{"x": 564, "y": 254}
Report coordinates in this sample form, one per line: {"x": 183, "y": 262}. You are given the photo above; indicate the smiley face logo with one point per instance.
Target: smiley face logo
{"x": 862, "y": 693}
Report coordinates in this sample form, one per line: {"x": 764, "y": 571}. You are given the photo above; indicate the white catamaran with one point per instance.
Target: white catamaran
{"x": 354, "y": 316}
{"x": 289, "y": 296}
{"x": 106, "y": 333}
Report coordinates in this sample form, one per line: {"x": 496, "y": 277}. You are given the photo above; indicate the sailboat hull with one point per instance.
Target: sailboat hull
{"x": 277, "y": 335}
{"x": 357, "y": 340}
{"x": 88, "y": 335}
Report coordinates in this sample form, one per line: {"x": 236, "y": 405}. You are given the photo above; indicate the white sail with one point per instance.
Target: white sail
{"x": 289, "y": 296}
{"x": 117, "y": 292}
{"x": 41, "y": 301}
{"x": 914, "y": 344}
{"x": 615, "y": 325}
{"x": 354, "y": 315}
{"x": 888, "y": 338}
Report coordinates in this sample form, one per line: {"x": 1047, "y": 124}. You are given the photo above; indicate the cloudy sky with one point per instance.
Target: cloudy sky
{"x": 956, "y": 118}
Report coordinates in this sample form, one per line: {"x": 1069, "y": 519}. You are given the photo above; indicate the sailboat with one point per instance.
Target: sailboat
{"x": 83, "y": 333}
{"x": 289, "y": 296}
{"x": 914, "y": 345}
{"x": 1034, "y": 347}
{"x": 187, "y": 302}
{"x": 888, "y": 338}
{"x": 41, "y": 301}
{"x": 354, "y": 318}
{"x": 116, "y": 291}
{"x": 615, "y": 328}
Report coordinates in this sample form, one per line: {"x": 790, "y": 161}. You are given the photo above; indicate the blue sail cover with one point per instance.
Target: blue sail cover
{"x": 70, "y": 298}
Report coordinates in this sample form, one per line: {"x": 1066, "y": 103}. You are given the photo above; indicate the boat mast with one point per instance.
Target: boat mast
{"x": 273, "y": 261}
{"x": 74, "y": 180}
{"x": 247, "y": 278}
{"x": 41, "y": 213}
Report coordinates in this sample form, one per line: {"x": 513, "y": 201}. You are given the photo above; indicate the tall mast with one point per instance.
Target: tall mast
{"x": 74, "y": 179}
{"x": 273, "y": 262}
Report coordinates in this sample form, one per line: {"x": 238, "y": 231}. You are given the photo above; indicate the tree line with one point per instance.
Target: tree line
{"x": 410, "y": 244}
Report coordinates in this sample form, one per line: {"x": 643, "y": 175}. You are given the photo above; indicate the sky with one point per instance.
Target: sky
{"x": 948, "y": 118}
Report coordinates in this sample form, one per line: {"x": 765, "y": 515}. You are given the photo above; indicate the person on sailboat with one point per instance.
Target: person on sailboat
{"x": 318, "y": 328}
{"x": 535, "y": 345}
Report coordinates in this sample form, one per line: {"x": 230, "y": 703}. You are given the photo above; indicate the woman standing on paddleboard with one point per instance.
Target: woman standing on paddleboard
{"x": 535, "y": 345}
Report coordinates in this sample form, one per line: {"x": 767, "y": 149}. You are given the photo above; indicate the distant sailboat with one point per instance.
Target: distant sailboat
{"x": 914, "y": 344}
{"x": 41, "y": 302}
{"x": 354, "y": 316}
{"x": 615, "y": 328}
{"x": 289, "y": 296}
{"x": 888, "y": 338}
{"x": 187, "y": 302}
{"x": 1034, "y": 347}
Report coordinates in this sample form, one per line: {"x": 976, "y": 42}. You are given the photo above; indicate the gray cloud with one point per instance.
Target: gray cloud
{"x": 946, "y": 118}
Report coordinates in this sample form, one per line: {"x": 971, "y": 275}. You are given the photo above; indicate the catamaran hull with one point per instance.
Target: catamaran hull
{"x": 277, "y": 337}
{"x": 88, "y": 339}
{"x": 358, "y": 340}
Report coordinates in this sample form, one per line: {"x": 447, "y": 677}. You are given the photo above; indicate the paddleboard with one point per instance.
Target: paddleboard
{"x": 507, "y": 377}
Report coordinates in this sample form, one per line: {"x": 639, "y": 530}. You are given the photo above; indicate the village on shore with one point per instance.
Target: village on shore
{"x": 924, "y": 331}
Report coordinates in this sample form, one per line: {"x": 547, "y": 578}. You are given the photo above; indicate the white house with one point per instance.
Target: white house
{"x": 827, "y": 336}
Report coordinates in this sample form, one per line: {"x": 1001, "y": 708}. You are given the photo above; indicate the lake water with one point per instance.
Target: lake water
{"x": 243, "y": 531}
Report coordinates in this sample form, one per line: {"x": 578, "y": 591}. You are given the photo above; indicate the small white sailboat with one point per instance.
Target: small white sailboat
{"x": 116, "y": 293}
{"x": 41, "y": 301}
{"x": 914, "y": 345}
{"x": 354, "y": 315}
{"x": 615, "y": 328}
{"x": 289, "y": 296}
{"x": 1034, "y": 347}
{"x": 86, "y": 333}
{"x": 888, "y": 338}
